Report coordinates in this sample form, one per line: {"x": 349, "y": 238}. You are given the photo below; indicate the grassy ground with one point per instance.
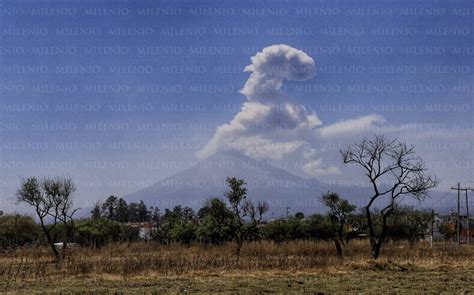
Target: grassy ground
{"x": 297, "y": 267}
{"x": 361, "y": 281}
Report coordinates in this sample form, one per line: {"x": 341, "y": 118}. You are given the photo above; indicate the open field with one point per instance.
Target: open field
{"x": 263, "y": 267}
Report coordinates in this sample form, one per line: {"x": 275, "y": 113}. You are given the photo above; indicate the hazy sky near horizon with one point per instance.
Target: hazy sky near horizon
{"x": 121, "y": 94}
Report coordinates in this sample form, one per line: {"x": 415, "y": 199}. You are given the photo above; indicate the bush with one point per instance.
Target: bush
{"x": 17, "y": 230}
{"x": 409, "y": 224}
{"x": 99, "y": 232}
{"x": 286, "y": 229}
{"x": 184, "y": 233}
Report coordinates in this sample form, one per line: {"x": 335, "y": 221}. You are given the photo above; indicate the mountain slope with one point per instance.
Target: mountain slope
{"x": 278, "y": 187}
{"x": 264, "y": 182}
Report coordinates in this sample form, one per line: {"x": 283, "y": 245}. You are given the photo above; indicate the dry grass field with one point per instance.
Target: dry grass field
{"x": 264, "y": 267}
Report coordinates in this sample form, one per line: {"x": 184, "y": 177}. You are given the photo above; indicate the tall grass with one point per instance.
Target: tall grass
{"x": 149, "y": 258}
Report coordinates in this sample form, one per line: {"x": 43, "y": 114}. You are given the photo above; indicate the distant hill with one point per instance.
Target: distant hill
{"x": 280, "y": 188}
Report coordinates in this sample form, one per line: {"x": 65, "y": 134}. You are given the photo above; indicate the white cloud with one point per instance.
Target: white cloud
{"x": 258, "y": 147}
{"x": 352, "y": 126}
{"x": 271, "y": 67}
{"x": 262, "y": 122}
{"x": 315, "y": 168}
{"x": 270, "y": 126}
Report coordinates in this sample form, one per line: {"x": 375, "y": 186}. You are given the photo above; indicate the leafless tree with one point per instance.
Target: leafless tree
{"x": 394, "y": 170}
{"x": 52, "y": 200}
{"x": 60, "y": 190}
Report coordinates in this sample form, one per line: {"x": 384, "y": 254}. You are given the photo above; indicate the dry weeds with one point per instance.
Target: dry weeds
{"x": 27, "y": 268}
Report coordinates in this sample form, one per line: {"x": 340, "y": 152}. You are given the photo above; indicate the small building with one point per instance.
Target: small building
{"x": 145, "y": 229}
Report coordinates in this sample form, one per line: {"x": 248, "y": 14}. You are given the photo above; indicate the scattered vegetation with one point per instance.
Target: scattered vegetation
{"x": 310, "y": 266}
{"x": 230, "y": 235}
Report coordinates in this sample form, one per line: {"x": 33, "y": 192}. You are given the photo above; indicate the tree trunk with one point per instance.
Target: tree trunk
{"x": 338, "y": 248}
{"x": 373, "y": 238}
{"x": 50, "y": 241}
{"x": 64, "y": 250}
{"x": 376, "y": 249}
{"x": 55, "y": 251}
{"x": 377, "y": 246}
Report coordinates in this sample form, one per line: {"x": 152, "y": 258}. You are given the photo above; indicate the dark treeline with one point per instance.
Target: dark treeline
{"x": 117, "y": 209}
{"x": 233, "y": 219}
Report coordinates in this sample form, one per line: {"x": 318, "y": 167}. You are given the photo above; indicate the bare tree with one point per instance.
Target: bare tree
{"x": 31, "y": 193}
{"x": 52, "y": 200}
{"x": 60, "y": 190}
{"x": 394, "y": 171}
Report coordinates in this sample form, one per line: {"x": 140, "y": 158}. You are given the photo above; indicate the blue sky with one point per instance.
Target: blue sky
{"x": 410, "y": 63}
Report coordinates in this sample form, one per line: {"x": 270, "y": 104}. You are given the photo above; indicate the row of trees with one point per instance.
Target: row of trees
{"x": 217, "y": 223}
{"x": 392, "y": 168}
{"x": 117, "y": 209}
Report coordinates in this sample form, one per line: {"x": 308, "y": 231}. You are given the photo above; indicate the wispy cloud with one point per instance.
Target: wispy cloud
{"x": 351, "y": 126}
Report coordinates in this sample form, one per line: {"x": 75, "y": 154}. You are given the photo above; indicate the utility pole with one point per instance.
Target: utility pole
{"x": 468, "y": 219}
{"x": 458, "y": 229}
